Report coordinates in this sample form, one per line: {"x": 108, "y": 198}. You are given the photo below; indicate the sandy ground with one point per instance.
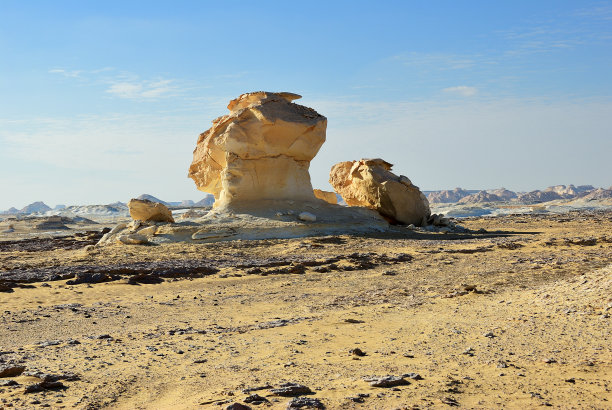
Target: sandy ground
{"x": 487, "y": 321}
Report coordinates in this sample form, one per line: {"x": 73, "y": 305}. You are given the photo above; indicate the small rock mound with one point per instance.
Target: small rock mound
{"x": 149, "y": 211}
{"x": 370, "y": 183}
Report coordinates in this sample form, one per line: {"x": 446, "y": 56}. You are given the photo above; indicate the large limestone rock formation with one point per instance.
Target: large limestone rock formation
{"x": 370, "y": 183}
{"x": 261, "y": 150}
{"x": 145, "y": 210}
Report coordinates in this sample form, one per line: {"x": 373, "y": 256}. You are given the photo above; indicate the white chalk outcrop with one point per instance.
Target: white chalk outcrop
{"x": 370, "y": 183}
{"x": 261, "y": 150}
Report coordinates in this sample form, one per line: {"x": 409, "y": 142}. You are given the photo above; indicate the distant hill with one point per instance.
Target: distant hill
{"x": 447, "y": 196}
{"x": 11, "y": 210}
{"x": 152, "y": 199}
{"x": 35, "y": 207}
{"x": 503, "y": 193}
{"x": 208, "y": 200}
{"x": 482, "y": 196}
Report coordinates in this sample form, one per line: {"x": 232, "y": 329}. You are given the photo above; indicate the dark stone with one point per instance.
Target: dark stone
{"x": 387, "y": 381}
{"x": 305, "y": 402}
{"x": 291, "y": 389}
{"x": 11, "y": 370}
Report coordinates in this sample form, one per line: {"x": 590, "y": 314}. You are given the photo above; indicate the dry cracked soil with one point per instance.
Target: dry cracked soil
{"x": 515, "y": 316}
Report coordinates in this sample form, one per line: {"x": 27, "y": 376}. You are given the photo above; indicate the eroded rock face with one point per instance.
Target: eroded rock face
{"x": 145, "y": 210}
{"x": 370, "y": 183}
{"x": 261, "y": 150}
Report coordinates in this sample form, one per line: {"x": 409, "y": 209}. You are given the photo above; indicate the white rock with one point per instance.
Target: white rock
{"x": 307, "y": 216}
{"x": 133, "y": 239}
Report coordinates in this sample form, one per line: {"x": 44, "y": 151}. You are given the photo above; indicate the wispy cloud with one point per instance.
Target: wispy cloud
{"x": 143, "y": 90}
{"x": 439, "y": 61}
{"x": 462, "y": 90}
{"x": 66, "y": 73}
{"x": 123, "y": 84}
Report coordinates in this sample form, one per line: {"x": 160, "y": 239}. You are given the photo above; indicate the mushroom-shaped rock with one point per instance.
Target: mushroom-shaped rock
{"x": 261, "y": 150}
{"x": 329, "y": 197}
{"x": 370, "y": 183}
{"x": 145, "y": 210}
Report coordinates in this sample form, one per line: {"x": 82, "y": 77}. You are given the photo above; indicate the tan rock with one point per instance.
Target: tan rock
{"x": 145, "y": 210}
{"x": 133, "y": 239}
{"x": 329, "y": 197}
{"x": 261, "y": 150}
{"x": 370, "y": 183}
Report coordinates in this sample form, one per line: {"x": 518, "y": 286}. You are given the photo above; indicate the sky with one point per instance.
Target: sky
{"x": 103, "y": 101}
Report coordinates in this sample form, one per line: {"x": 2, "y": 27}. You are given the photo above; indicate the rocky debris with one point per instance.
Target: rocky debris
{"x": 48, "y": 377}
{"x": 329, "y": 197}
{"x": 193, "y": 214}
{"x": 76, "y": 241}
{"x": 305, "y": 403}
{"x": 237, "y": 406}
{"x": 190, "y": 268}
{"x": 11, "y": 370}
{"x": 261, "y": 150}
{"x": 156, "y": 271}
{"x": 370, "y": 183}
{"x": 8, "y": 383}
{"x": 359, "y": 398}
{"x": 387, "y": 381}
{"x": 291, "y": 389}
{"x": 413, "y": 376}
{"x": 450, "y": 401}
{"x": 256, "y": 388}
{"x": 47, "y": 343}
{"x": 145, "y": 210}
{"x": 255, "y": 399}
{"x": 92, "y": 278}
{"x": 38, "y": 387}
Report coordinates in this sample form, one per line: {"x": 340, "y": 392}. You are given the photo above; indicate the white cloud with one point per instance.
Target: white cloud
{"x": 462, "y": 90}
{"x": 66, "y": 73}
{"x": 142, "y": 90}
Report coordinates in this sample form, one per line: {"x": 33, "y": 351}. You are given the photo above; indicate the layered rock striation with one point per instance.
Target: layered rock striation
{"x": 370, "y": 183}
{"x": 261, "y": 150}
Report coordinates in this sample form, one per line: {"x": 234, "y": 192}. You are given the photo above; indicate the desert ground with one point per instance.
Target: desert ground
{"x": 514, "y": 314}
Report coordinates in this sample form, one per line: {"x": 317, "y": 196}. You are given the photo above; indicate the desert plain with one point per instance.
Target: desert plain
{"x": 514, "y": 313}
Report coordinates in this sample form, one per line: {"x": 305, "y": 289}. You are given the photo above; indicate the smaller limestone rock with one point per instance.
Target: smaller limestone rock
{"x": 148, "y": 231}
{"x": 307, "y": 216}
{"x": 133, "y": 239}
{"x": 145, "y": 210}
{"x": 327, "y": 196}
{"x": 370, "y": 183}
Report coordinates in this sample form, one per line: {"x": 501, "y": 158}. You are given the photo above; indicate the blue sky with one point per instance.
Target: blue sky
{"x": 103, "y": 101}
